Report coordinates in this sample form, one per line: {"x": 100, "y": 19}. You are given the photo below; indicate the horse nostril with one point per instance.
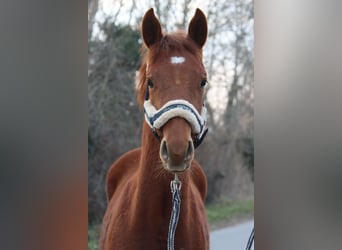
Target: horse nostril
{"x": 164, "y": 154}
{"x": 190, "y": 152}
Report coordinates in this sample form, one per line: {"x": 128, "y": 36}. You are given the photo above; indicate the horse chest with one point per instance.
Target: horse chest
{"x": 140, "y": 221}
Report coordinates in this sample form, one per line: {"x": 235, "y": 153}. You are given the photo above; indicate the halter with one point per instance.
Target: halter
{"x": 156, "y": 118}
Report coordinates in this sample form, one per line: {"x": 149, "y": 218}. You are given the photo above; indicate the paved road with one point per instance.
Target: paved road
{"x": 231, "y": 238}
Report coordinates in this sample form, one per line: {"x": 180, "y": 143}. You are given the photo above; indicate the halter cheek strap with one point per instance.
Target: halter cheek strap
{"x": 177, "y": 108}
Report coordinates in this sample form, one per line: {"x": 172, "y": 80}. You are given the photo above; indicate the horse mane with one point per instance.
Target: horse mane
{"x": 177, "y": 41}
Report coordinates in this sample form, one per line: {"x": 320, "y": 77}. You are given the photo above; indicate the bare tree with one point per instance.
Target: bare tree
{"x": 92, "y": 9}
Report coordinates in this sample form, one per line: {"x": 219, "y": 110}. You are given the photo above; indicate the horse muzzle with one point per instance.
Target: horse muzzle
{"x": 176, "y": 156}
{"x": 180, "y": 122}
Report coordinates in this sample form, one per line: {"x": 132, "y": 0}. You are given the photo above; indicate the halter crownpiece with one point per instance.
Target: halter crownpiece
{"x": 177, "y": 108}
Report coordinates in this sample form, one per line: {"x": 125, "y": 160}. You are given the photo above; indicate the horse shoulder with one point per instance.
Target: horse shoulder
{"x": 121, "y": 169}
{"x": 199, "y": 179}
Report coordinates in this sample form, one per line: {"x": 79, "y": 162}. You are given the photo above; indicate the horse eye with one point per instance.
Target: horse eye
{"x": 150, "y": 83}
{"x": 203, "y": 82}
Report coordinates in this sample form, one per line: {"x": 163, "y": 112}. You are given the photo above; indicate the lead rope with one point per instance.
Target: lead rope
{"x": 250, "y": 240}
{"x": 175, "y": 185}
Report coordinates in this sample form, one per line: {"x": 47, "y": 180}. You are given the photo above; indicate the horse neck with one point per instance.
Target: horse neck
{"x": 150, "y": 165}
{"x": 152, "y": 194}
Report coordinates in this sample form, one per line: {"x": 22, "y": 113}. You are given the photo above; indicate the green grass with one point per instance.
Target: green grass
{"x": 220, "y": 213}
{"x": 93, "y": 237}
{"x": 227, "y": 211}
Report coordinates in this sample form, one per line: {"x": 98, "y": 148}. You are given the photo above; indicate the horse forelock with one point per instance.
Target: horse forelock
{"x": 178, "y": 41}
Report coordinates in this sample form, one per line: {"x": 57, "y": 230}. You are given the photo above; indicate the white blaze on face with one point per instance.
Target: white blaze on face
{"x": 177, "y": 59}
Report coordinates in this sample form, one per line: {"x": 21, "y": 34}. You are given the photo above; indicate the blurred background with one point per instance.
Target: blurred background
{"x": 115, "y": 120}
{"x": 297, "y": 122}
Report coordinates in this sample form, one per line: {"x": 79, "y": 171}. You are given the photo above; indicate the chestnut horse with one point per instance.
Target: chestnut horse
{"x": 170, "y": 87}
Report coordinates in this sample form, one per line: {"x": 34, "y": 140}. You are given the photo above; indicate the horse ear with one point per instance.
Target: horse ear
{"x": 198, "y": 28}
{"x": 151, "y": 29}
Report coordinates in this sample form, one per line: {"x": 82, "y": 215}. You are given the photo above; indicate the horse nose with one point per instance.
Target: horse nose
{"x": 190, "y": 152}
{"x": 176, "y": 158}
{"x": 164, "y": 154}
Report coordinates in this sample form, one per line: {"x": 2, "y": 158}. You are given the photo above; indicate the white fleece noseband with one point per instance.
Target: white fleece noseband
{"x": 175, "y": 108}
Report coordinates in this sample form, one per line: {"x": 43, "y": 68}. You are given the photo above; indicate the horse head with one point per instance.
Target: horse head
{"x": 171, "y": 88}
